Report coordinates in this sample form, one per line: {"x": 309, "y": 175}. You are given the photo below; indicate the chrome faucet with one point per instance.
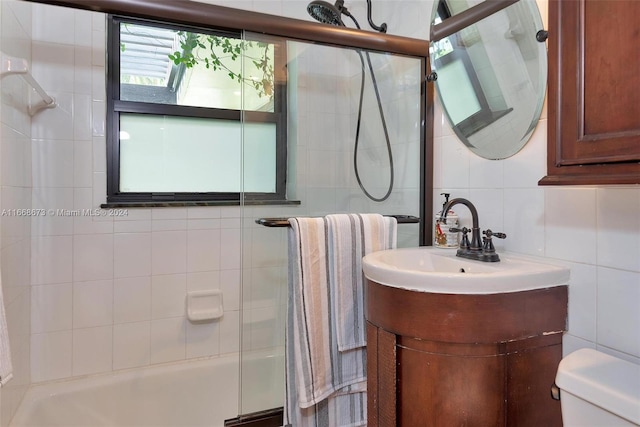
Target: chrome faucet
{"x": 474, "y": 249}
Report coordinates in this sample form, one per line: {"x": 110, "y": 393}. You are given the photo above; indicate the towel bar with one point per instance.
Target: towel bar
{"x": 284, "y": 222}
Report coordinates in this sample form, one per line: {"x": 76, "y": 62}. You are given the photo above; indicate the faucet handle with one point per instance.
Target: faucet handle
{"x": 463, "y": 230}
{"x": 464, "y": 243}
{"x": 497, "y": 235}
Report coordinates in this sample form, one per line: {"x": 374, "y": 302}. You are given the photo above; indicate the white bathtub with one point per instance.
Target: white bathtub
{"x": 194, "y": 393}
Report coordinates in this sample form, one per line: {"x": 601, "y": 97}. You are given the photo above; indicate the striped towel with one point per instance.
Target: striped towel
{"x": 351, "y": 237}
{"x": 6, "y": 369}
{"x": 325, "y": 387}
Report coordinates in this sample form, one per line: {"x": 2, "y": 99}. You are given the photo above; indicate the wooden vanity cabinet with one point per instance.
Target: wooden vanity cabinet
{"x": 463, "y": 360}
{"x": 593, "y": 92}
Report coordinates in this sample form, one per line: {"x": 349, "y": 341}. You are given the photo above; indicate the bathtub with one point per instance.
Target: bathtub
{"x": 194, "y": 393}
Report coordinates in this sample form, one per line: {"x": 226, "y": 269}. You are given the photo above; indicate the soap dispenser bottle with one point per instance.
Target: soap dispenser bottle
{"x": 443, "y": 237}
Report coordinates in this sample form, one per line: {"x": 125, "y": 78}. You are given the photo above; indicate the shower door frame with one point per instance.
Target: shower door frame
{"x": 219, "y": 17}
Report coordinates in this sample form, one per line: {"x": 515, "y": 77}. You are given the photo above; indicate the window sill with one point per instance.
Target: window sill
{"x": 175, "y": 204}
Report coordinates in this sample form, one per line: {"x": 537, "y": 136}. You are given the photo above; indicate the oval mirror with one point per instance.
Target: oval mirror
{"x": 492, "y": 76}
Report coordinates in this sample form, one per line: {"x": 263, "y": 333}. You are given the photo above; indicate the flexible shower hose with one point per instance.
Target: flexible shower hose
{"x": 384, "y": 127}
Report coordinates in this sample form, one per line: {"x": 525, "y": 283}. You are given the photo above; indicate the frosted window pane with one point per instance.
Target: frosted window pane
{"x": 181, "y": 154}
{"x": 260, "y": 157}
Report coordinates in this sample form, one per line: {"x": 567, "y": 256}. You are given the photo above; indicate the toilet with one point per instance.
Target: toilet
{"x": 597, "y": 389}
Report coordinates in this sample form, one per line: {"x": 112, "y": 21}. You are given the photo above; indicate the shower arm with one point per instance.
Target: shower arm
{"x": 382, "y": 28}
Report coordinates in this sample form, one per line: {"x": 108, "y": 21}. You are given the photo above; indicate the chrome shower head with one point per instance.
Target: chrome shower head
{"x": 327, "y": 13}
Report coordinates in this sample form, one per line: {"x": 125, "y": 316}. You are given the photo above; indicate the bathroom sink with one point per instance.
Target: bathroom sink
{"x": 429, "y": 269}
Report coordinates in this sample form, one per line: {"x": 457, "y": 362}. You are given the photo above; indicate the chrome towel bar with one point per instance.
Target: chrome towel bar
{"x": 284, "y": 222}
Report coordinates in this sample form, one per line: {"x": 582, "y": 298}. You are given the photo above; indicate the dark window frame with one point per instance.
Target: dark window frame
{"x": 115, "y": 106}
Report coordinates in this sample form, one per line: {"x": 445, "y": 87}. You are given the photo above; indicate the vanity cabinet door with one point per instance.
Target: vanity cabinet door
{"x": 594, "y": 92}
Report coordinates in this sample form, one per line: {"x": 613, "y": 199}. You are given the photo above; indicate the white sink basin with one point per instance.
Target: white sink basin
{"x": 429, "y": 269}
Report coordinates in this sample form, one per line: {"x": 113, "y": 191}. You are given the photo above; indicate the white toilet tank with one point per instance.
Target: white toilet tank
{"x": 598, "y": 390}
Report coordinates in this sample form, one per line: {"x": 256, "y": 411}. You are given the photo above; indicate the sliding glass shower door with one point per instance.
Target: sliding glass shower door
{"x": 345, "y": 137}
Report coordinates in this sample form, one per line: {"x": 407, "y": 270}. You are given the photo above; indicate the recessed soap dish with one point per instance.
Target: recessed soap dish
{"x": 204, "y": 305}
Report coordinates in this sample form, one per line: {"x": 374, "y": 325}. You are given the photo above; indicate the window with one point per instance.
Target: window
{"x": 194, "y": 115}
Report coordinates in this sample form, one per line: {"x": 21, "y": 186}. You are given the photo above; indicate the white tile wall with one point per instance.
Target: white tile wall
{"x": 15, "y": 193}
{"x": 108, "y": 293}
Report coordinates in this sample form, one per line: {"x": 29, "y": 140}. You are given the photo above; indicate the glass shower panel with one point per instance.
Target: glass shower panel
{"x": 327, "y": 105}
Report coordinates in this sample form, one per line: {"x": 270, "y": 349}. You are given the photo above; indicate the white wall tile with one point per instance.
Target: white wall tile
{"x": 168, "y": 339}
{"x": 15, "y": 157}
{"x": 267, "y": 285}
{"x": 92, "y": 304}
{"x": 571, "y": 344}
{"x": 132, "y": 254}
{"x": 618, "y": 314}
{"x": 455, "y": 163}
{"x": 203, "y": 339}
{"x": 132, "y": 226}
{"x": 99, "y": 154}
{"x": 92, "y": 257}
{"x": 230, "y": 287}
{"x": 55, "y": 219}
{"x": 168, "y": 213}
{"x": 230, "y": 332}
{"x": 98, "y": 84}
{"x": 485, "y": 173}
{"x": 52, "y": 65}
{"x": 230, "y": 248}
{"x": 100, "y": 189}
{"x": 583, "y": 301}
{"x": 132, "y": 299}
{"x": 266, "y": 247}
{"x": 618, "y": 354}
{"x": 83, "y": 82}
{"x": 51, "y": 356}
{"x": 98, "y": 118}
{"x": 168, "y": 295}
{"x": 131, "y": 344}
{"x": 82, "y": 162}
{"x": 528, "y": 166}
{"x": 54, "y": 123}
{"x": 15, "y": 227}
{"x": 98, "y": 43}
{"x": 137, "y": 214}
{"x": 203, "y": 250}
{"x": 264, "y": 328}
{"x": 52, "y": 163}
{"x": 92, "y": 350}
{"x": 618, "y": 213}
{"x": 53, "y": 25}
{"x": 51, "y": 308}
{"x": 51, "y": 259}
{"x": 201, "y": 212}
{"x": 204, "y": 280}
{"x": 84, "y": 224}
{"x": 83, "y": 27}
{"x": 169, "y": 225}
{"x": 524, "y": 220}
{"x": 570, "y": 224}
{"x": 168, "y": 252}
{"x": 203, "y": 224}
{"x": 82, "y": 121}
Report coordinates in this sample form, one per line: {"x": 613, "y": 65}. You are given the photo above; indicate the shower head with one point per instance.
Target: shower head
{"x": 327, "y": 13}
